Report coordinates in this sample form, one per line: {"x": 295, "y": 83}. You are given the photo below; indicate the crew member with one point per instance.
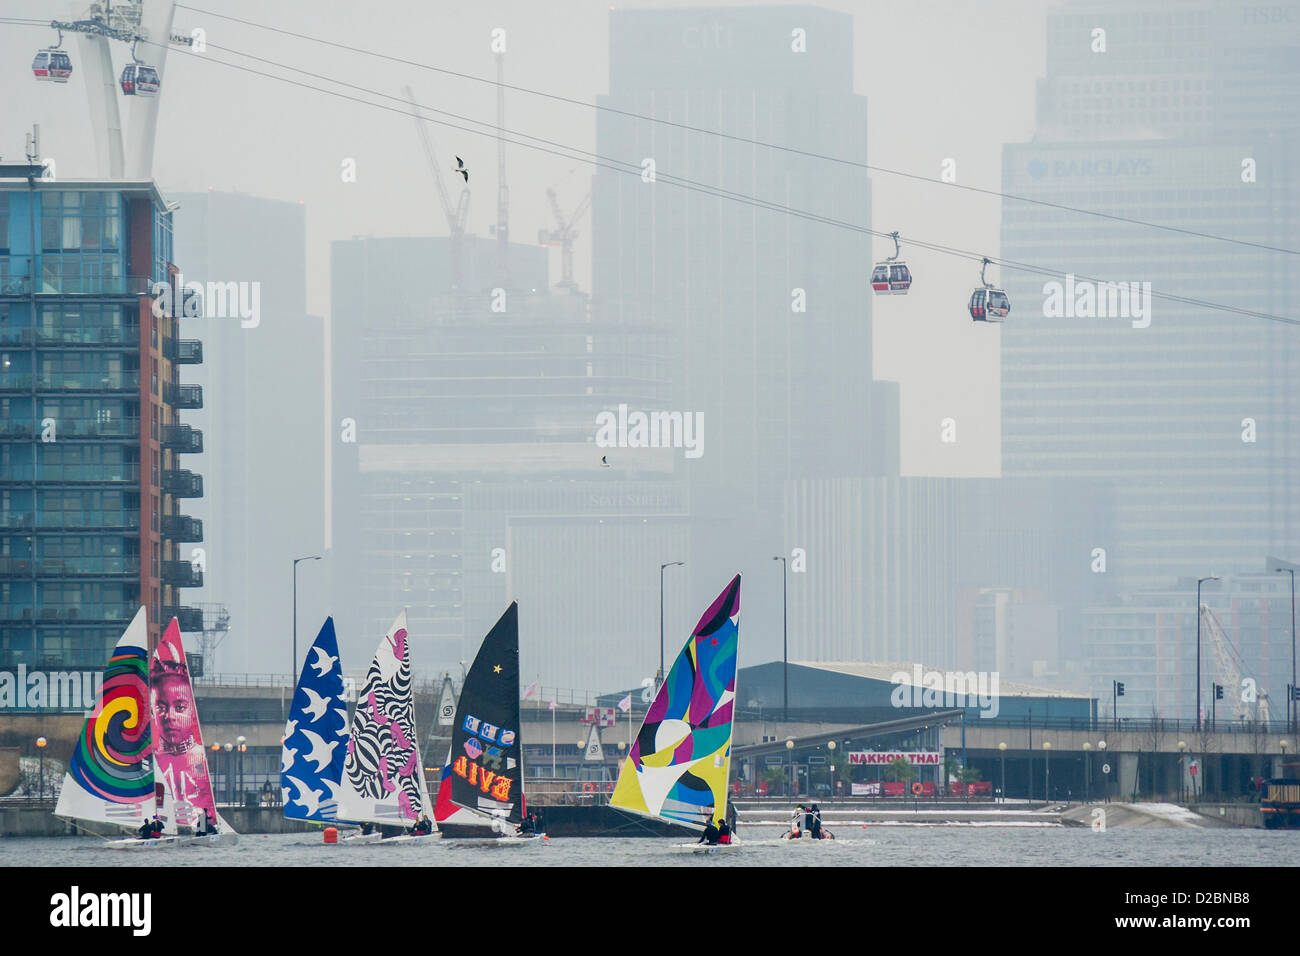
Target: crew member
{"x": 710, "y": 835}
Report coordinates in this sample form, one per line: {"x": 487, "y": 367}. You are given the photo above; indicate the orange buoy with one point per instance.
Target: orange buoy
{"x": 331, "y": 835}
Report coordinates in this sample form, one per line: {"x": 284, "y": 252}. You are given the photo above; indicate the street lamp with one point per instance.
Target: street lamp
{"x": 1101, "y": 745}
{"x": 670, "y": 564}
{"x": 293, "y": 669}
{"x": 1087, "y": 770}
{"x": 40, "y": 749}
{"x": 1047, "y": 762}
{"x": 241, "y": 745}
{"x": 1182, "y": 766}
{"x": 230, "y": 782}
{"x": 1002, "y": 746}
{"x": 789, "y": 748}
{"x": 1293, "y": 699}
{"x": 785, "y": 642}
{"x": 1199, "y": 582}
{"x": 830, "y": 745}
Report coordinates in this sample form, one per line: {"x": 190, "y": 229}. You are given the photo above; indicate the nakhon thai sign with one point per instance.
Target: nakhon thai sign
{"x": 917, "y": 758}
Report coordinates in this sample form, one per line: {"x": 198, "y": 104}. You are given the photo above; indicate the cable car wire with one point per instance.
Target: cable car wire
{"x": 630, "y": 168}
{"x": 745, "y": 139}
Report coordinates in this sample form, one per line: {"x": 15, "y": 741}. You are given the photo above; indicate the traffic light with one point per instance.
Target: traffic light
{"x": 1218, "y": 692}
{"x": 1119, "y": 688}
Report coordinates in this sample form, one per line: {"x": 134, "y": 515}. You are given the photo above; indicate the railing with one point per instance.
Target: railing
{"x": 182, "y": 528}
{"x": 182, "y": 483}
{"x": 88, "y": 613}
{"x": 91, "y": 381}
{"x": 181, "y": 574}
{"x": 1132, "y": 725}
{"x": 182, "y": 439}
{"x": 187, "y": 618}
{"x": 183, "y": 396}
{"x": 89, "y": 336}
{"x": 13, "y": 285}
{"x": 120, "y": 471}
{"x": 183, "y": 351}
{"x": 77, "y": 428}
{"x": 70, "y": 566}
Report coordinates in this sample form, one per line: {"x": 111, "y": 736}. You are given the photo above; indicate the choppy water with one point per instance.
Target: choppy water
{"x": 876, "y": 845}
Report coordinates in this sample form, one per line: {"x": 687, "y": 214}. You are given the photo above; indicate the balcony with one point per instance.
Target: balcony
{"x": 183, "y": 396}
{"x": 189, "y": 618}
{"x": 183, "y": 351}
{"x": 182, "y": 528}
{"x": 182, "y": 484}
{"x": 18, "y": 285}
{"x": 181, "y": 574}
{"x": 182, "y": 439}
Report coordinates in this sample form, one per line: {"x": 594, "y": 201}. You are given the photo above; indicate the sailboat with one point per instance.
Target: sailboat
{"x": 383, "y": 776}
{"x": 680, "y": 762}
{"x": 110, "y": 777}
{"x": 181, "y": 759}
{"x": 316, "y": 735}
{"x": 481, "y": 794}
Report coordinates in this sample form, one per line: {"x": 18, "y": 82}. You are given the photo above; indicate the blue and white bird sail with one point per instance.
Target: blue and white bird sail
{"x": 316, "y": 735}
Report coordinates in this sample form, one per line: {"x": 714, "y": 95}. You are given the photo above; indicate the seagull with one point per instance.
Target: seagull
{"x": 323, "y": 662}
{"x": 309, "y": 799}
{"x": 315, "y": 708}
{"x": 603, "y": 462}
{"x": 460, "y": 168}
{"x": 321, "y": 752}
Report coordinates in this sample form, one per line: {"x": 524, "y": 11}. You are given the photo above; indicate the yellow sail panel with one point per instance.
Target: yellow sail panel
{"x": 679, "y": 764}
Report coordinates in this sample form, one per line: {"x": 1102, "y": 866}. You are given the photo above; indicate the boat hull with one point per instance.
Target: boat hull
{"x": 707, "y": 849}
{"x": 135, "y": 843}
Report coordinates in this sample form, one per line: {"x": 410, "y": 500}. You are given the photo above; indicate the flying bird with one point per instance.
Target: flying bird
{"x": 322, "y": 753}
{"x": 460, "y": 168}
{"x": 316, "y": 704}
{"x": 309, "y": 799}
{"x": 323, "y": 662}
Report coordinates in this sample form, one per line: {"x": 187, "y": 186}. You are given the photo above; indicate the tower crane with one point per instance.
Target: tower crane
{"x": 563, "y": 235}
{"x": 1228, "y": 666}
{"x": 457, "y": 217}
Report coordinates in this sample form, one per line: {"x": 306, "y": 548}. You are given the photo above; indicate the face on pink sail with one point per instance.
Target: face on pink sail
{"x": 174, "y": 710}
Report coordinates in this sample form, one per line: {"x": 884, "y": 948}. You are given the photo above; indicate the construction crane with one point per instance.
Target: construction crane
{"x": 456, "y": 218}
{"x": 563, "y": 235}
{"x": 1228, "y": 665}
{"x": 503, "y": 191}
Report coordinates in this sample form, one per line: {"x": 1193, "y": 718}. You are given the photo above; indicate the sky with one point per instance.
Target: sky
{"x": 944, "y": 80}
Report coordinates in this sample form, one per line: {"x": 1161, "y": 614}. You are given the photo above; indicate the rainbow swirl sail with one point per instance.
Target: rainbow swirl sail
{"x": 110, "y": 777}
{"x": 681, "y": 759}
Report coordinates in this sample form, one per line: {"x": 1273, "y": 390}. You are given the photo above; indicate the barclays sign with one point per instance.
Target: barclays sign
{"x": 1087, "y": 168}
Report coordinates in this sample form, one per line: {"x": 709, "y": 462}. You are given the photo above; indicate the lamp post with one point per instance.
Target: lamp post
{"x": 241, "y": 745}
{"x": 670, "y": 564}
{"x": 1002, "y": 746}
{"x": 1293, "y": 699}
{"x": 40, "y": 749}
{"x": 1199, "y": 582}
{"x": 1182, "y": 767}
{"x": 230, "y": 775}
{"x": 830, "y": 745}
{"x": 293, "y": 669}
{"x": 785, "y": 642}
{"x": 1087, "y": 770}
{"x": 789, "y": 749}
{"x": 1101, "y": 745}
{"x": 1047, "y": 762}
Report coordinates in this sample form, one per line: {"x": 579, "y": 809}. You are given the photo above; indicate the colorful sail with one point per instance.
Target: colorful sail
{"x": 484, "y": 771}
{"x": 178, "y": 739}
{"x": 316, "y": 735}
{"x": 110, "y": 778}
{"x": 680, "y": 762}
{"x": 383, "y": 776}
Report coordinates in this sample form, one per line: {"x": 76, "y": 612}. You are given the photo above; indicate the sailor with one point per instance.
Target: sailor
{"x": 526, "y": 827}
{"x": 815, "y": 828}
{"x": 724, "y": 832}
{"x": 201, "y": 823}
{"x": 711, "y": 834}
{"x": 146, "y": 830}
{"x": 367, "y": 828}
{"x": 423, "y": 826}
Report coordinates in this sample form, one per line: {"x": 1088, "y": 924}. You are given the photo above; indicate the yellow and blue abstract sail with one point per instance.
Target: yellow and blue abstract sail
{"x": 680, "y": 762}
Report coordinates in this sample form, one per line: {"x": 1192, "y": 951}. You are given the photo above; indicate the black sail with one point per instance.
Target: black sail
{"x": 485, "y": 769}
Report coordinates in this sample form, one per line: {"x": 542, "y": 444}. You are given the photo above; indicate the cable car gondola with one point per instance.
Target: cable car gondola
{"x": 988, "y": 304}
{"x": 891, "y": 277}
{"x": 139, "y": 79}
{"x": 52, "y": 64}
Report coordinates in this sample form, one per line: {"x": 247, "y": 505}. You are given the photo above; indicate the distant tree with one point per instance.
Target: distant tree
{"x": 899, "y": 770}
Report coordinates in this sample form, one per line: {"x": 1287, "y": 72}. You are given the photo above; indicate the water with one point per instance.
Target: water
{"x": 877, "y": 845}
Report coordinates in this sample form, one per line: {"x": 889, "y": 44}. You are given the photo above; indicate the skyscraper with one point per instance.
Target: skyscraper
{"x": 1188, "y": 116}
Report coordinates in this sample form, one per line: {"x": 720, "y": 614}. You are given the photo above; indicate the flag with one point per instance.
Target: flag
{"x": 625, "y": 704}
{"x": 553, "y": 704}
{"x": 531, "y": 690}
